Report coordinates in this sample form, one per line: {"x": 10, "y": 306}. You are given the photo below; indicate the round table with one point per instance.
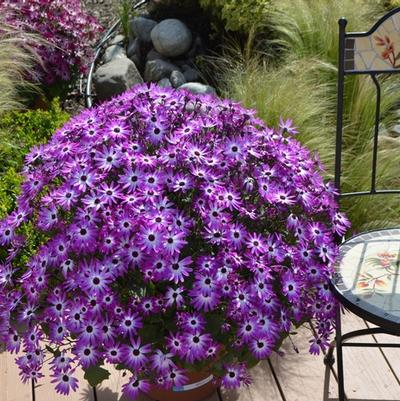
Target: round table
{"x": 367, "y": 278}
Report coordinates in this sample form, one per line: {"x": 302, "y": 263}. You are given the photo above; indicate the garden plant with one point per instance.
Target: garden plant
{"x": 67, "y": 34}
{"x": 177, "y": 233}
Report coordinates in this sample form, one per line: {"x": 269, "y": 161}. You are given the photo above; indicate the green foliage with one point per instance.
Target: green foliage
{"x": 19, "y": 131}
{"x": 125, "y": 13}
{"x": 390, "y": 4}
{"x": 238, "y": 15}
{"x": 95, "y": 375}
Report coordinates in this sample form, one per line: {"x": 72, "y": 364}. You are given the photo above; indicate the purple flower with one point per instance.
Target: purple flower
{"x": 133, "y": 388}
{"x": 65, "y": 381}
{"x": 135, "y": 354}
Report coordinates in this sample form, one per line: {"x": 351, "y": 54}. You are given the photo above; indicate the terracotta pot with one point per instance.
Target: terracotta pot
{"x": 199, "y": 386}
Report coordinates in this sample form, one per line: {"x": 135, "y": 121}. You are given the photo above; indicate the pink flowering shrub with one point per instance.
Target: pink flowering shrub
{"x": 67, "y": 30}
{"x": 177, "y": 231}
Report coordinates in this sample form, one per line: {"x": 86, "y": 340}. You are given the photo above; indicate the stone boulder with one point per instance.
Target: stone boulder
{"x": 165, "y": 83}
{"x": 177, "y": 79}
{"x": 158, "y": 69}
{"x": 198, "y": 88}
{"x": 142, "y": 27}
{"x": 115, "y": 77}
{"x": 112, "y": 52}
{"x": 171, "y": 38}
{"x": 134, "y": 52}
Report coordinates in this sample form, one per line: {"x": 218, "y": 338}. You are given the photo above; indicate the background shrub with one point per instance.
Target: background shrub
{"x": 20, "y": 131}
{"x": 238, "y": 15}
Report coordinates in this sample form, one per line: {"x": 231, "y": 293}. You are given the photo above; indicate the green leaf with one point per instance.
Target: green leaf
{"x": 95, "y": 375}
{"x": 55, "y": 352}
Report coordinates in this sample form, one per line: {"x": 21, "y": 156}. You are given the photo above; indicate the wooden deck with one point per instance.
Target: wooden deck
{"x": 370, "y": 374}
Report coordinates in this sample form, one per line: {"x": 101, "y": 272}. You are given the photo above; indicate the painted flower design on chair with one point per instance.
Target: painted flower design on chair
{"x": 388, "y": 53}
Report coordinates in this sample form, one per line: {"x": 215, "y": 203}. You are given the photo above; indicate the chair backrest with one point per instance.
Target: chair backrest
{"x": 373, "y": 53}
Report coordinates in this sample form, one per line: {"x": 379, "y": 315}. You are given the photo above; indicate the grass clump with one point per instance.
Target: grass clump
{"x": 17, "y": 60}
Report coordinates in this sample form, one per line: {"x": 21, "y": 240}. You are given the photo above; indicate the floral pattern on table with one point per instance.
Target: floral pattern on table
{"x": 369, "y": 268}
{"x": 380, "y": 275}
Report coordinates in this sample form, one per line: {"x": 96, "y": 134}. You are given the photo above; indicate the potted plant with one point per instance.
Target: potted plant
{"x": 176, "y": 233}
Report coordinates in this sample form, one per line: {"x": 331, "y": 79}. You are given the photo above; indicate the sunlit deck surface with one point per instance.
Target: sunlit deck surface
{"x": 370, "y": 374}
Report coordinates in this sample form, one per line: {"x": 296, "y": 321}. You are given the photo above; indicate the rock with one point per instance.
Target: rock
{"x": 118, "y": 40}
{"x": 142, "y": 27}
{"x": 198, "y": 88}
{"x": 196, "y": 48}
{"x": 190, "y": 74}
{"x": 158, "y": 69}
{"x": 134, "y": 52}
{"x": 171, "y": 38}
{"x": 153, "y": 55}
{"x": 112, "y": 52}
{"x": 115, "y": 77}
{"x": 395, "y": 131}
{"x": 165, "y": 83}
{"x": 177, "y": 79}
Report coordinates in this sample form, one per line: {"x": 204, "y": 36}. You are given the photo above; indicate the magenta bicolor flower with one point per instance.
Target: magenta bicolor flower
{"x": 67, "y": 32}
{"x": 174, "y": 229}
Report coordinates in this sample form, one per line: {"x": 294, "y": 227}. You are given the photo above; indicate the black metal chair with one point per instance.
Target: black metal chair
{"x": 367, "y": 280}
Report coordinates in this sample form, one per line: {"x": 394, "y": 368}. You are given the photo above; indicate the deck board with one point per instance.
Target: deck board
{"x": 301, "y": 375}
{"x": 14, "y": 389}
{"x": 391, "y": 354}
{"x": 367, "y": 374}
{"x": 3, "y": 379}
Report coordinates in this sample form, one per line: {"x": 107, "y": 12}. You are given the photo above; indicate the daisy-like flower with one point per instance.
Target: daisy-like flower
{"x": 107, "y": 158}
{"x": 173, "y": 242}
{"x": 110, "y": 193}
{"x": 65, "y": 381}
{"x": 162, "y": 363}
{"x": 197, "y": 344}
{"x": 130, "y": 324}
{"x": 179, "y": 269}
{"x": 255, "y": 243}
{"x": 135, "y": 354}
{"x": 173, "y": 296}
{"x": 88, "y": 354}
{"x": 134, "y": 387}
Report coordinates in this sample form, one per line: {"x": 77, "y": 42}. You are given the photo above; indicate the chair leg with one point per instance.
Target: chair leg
{"x": 339, "y": 356}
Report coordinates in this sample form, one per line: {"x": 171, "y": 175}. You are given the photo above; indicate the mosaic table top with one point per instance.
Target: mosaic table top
{"x": 368, "y": 273}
